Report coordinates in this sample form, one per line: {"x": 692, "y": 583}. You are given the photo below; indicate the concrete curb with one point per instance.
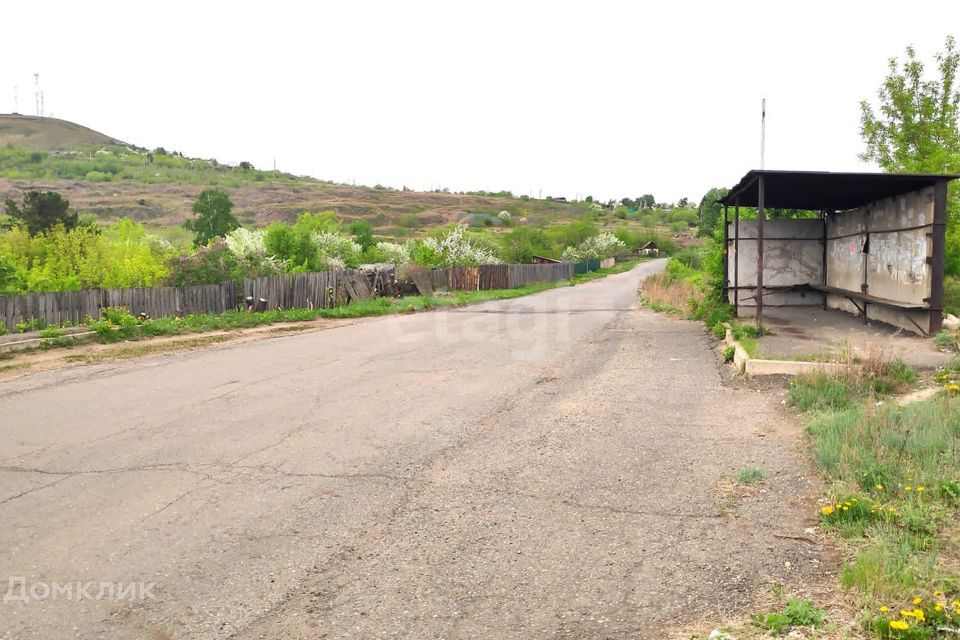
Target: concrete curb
{"x": 758, "y": 367}
{"x": 30, "y": 343}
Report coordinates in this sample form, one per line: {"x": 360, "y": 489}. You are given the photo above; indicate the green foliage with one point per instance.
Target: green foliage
{"x": 215, "y": 263}
{"x": 41, "y": 211}
{"x": 711, "y": 212}
{"x": 363, "y": 233}
{"x": 728, "y": 352}
{"x": 214, "y": 216}
{"x": 749, "y": 475}
{"x": 797, "y": 613}
{"x": 122, "y": 255}
{"x": 126, "y": 165}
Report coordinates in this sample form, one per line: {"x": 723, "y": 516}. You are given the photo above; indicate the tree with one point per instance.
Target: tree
{"x": 915, "y": 128}
{"x": 684, "y": 202}
{"x": 646, "y": 201}
{"x": 709, "y": 211}
{"x": 363, "y": 233}
{"x": 41, "y": 211}
{"x": 214, "y": 216}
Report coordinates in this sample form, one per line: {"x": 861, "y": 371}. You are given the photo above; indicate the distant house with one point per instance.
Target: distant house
{"x": 649, "y": 249}
{"x": 543, "y": 260}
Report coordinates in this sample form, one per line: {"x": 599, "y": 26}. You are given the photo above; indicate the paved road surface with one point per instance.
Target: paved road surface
{"x": 542, "y": 467}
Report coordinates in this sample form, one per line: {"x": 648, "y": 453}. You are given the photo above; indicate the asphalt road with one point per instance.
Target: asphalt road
{"x": 540, "y": 467}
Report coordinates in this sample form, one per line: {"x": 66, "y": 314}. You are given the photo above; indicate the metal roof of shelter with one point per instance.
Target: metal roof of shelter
{"x": 824, "y": 190}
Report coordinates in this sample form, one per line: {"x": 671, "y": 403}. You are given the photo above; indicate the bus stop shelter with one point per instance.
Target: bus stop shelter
{"x": 874, "y": 246}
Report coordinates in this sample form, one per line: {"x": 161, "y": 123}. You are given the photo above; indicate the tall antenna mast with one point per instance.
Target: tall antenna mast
{"x": 36, "y": 91}
{"x": 763, "y": 131}
{"x": 41, "y": 103}
{"x": 16, "y": 99}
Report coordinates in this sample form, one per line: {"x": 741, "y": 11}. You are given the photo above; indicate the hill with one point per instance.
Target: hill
{"x": 109, "y": 179}
{"x": 50, "y": 135}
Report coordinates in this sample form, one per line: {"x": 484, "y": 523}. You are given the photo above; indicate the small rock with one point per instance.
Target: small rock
{"x": 717, "y": 634}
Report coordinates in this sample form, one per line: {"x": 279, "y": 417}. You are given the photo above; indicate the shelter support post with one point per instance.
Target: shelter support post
{"x": 823, "y": 216}
{"x": 761, "y": 214}
{"x": 938, "y": 259}
{"x": 736, "y": 258}
{"x": 726, "y": 255}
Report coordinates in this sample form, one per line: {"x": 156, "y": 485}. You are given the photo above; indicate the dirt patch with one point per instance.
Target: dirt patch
{"x": 14, "y": 365}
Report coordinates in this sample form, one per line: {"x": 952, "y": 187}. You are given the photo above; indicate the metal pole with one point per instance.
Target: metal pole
{"x": 763, "y": 131}
{"x": 760, "y": 216}
{"x": 726, "y": 256}
{"x": 736, "y": 257}
{"x": 823, "y": 216}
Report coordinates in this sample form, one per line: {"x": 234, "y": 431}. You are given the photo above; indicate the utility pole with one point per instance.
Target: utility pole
{"x": 36, "y": 92}
{"x": 16, "y": 99}
{"x": 763, "y": 131}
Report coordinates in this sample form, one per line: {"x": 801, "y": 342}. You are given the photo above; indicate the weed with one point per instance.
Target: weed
{"x": 728, "y": 353}
{"x": 797, "y": 613}
{"x": 750, "y": 475}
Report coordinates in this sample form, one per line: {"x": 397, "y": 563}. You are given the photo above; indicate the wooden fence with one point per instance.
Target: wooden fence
{"x": 287, "y": 291}
{"x": 486, "y": 277}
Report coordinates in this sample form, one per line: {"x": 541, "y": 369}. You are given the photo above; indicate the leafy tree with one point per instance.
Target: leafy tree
{"x": 628, "y": 203}
{"x": 214, "y": 217}
{"x": 363, "y": 233}
{"x": 683, "y": 202}
{"x": 710, "y": 211}
{"x": 646, "y": 201}
{"x": 915, "y": 128}
{"x": 246, "y": 166}
{"x": 41, "y": 211}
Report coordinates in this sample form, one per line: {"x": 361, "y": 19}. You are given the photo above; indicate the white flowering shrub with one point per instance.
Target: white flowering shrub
{"x": 393, "y": 252}
{"x": 335, "y": 249}
{"x": 454, "y": 249}
{"x": 595, "y": 247}
{"x": 505, "y": 216}
{"x": 246, "y": 242}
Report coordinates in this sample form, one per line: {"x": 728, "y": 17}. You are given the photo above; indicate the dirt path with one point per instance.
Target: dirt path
{"x": 552, "y": 466}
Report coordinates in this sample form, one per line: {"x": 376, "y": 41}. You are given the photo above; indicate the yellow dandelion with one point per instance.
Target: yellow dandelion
{"x": 938, "y": 607}
{"x": 908, "y": 488}
{"x": 918, "y": 614}
{"x": 917, "y": 600}
{"x": 938, "y": 593}
{"x": 899, "y": 624}
{"x": 827, "y": 510}
{"x": 846, "y": 508}
{"x": 919, "y": 488}
{"x": 884, "y": 609}
{"x": 879, "y": 487}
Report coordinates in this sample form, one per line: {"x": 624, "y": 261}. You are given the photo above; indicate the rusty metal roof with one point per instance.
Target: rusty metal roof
{"x": 824, "y": 190}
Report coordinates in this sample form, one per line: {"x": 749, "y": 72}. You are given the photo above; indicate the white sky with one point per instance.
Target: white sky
{"x": 605, "y": 98}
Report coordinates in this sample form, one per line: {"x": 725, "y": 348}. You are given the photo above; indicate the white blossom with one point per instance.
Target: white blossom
{"x": 246, "y": 242}
{"x": 456, "y": 249}
{"x": 395, "y": 253}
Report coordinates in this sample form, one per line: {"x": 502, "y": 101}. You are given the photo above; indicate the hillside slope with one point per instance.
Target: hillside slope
{"x": 50, "y": 134}
{"x": 110, "y": 179}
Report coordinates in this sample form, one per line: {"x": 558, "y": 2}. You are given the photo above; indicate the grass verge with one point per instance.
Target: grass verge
{"x": 893, "y": 478}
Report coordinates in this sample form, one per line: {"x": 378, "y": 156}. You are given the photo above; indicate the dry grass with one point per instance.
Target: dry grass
{"x": 664, "y": 294}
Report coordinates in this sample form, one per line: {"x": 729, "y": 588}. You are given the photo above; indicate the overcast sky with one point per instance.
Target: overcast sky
{"x": 571, "y": 98}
